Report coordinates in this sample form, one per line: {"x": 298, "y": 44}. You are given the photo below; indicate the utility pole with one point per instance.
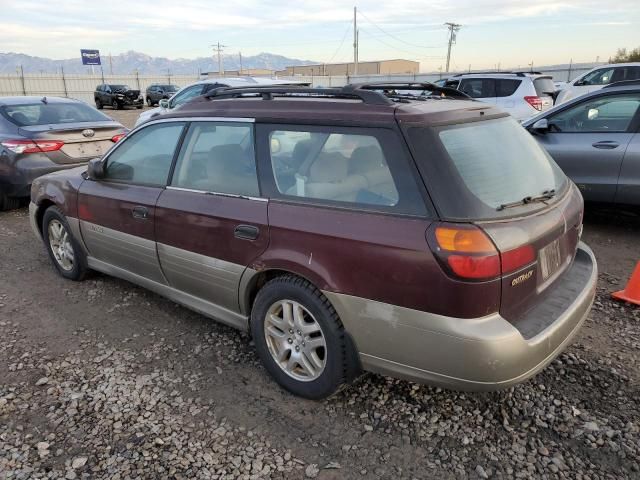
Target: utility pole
{"x": 218, "y": 49}
{"x": 355, "y": 40}
{"x": 453, "y": 30}
{"x": 110, "y": 65}
{"x": 569, "y": 72}
{"x": 240, "y": 55}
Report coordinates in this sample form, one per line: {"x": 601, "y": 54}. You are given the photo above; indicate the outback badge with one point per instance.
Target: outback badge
{"x": 522, "y": 278}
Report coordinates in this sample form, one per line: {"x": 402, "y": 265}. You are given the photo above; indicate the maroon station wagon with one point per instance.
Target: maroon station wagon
{"x": 424, "y": 237}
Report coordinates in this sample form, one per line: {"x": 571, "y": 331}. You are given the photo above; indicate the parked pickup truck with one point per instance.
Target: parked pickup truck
{"x": 117, "y": 96}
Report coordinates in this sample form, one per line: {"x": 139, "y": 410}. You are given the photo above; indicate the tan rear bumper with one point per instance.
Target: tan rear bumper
{"x": 486, "y": 353}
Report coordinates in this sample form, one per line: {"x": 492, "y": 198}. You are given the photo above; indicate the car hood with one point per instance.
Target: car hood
{"x": 149, "y": 114}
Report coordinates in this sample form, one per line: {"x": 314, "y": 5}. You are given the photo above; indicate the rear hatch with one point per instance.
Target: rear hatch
{"x": 546, "y": 91}
{"x": 81, "y": 141}
{"x": 504, "y": 203}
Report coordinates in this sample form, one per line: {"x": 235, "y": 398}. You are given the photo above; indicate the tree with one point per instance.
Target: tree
{"x": 622, "y": 56}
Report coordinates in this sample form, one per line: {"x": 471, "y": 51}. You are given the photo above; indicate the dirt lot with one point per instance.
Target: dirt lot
{"x": 101, "y": 379}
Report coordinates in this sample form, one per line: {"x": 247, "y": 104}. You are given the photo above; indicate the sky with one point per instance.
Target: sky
{"x": 494, "y": 33}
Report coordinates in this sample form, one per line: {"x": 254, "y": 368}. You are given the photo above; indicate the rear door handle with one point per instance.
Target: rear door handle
{"x": 606, "y": 144}
{"x": 246, "y": 232}
{"x": 140, "y": 212}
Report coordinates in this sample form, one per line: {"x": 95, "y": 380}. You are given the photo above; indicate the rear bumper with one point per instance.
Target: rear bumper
{"x": 16, "y": 179}
{"x": 487, "y": 353}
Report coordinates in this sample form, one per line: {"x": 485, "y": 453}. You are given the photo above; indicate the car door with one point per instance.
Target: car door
{"x": 482, "y": 89}
{"x": 588, "y": 140}
{"x": 211, "y": 221}
{"x": 628, "y": 192}
{"x": 106, "y": 94}
{"x": 118, "y": 212}
{"x": 505, "y": 98}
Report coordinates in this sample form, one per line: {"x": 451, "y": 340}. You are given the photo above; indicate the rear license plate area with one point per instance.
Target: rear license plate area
{"x": 550, "y": 259}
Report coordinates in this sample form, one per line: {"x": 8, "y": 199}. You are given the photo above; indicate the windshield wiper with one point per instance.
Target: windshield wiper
{"x": 546, "y": 195}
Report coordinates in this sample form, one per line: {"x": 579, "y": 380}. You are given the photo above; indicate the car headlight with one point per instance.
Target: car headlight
{"x": 119, "y": 95}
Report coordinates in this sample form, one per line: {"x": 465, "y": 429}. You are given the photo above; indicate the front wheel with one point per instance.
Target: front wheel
{"x": 149, "y": 102}
{"x": 64, "y": 251}
{"x": 300, "y": 339}
{"x": 115, "y": 105}
{"x": 99, "y": 105}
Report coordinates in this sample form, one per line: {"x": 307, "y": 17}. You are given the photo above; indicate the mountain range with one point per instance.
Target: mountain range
{"x": 128, "y": 62}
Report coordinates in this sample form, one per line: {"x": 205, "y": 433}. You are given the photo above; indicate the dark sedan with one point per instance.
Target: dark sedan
{"x": 39, "y": 135}
{"x": 595, "y": 139}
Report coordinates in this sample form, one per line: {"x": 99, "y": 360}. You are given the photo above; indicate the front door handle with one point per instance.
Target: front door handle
{"x": 140, "y": 212}
{"x": 246, "y": 232}
{"x": 606, "y": 144}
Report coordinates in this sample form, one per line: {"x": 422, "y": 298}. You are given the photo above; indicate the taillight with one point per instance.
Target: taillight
{"x": 32, "y": 146}
{"x": 469, "y": 253}
{"x": 117, "y": 138}
{"x": 535, "y": 102}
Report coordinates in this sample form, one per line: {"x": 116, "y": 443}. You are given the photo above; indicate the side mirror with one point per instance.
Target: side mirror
{"x": 579, "y": 83}
{"x": 541, "y": 126}
{"x": 96, "y": 169}
{"x": 164, "y": 103}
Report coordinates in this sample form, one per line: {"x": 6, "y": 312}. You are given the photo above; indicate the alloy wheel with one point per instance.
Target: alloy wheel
{"x": 60, "y": 244}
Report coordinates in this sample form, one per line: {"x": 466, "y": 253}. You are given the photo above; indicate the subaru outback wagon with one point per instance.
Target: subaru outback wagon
{"x": 428, "y": 238}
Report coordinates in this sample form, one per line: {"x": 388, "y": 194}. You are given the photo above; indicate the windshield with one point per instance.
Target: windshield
{"x": 119, "y": 87}
{"x": 28, "y": 115}
{"x": 483, "y": 165}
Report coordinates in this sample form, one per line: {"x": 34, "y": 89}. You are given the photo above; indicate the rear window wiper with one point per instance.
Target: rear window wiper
{"x": 546, "y": 195}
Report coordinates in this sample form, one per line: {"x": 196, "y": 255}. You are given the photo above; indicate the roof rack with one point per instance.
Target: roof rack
{"x": 505, "y": 72}
{"x": 389, "y": 88}
{"x": 376, "y": 93}
{"x": 623, "y": 83}
{"x": 267, "y": 92}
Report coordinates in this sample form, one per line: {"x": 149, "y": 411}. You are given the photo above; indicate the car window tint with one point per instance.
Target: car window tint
{"x": 506, "y": 87}
{"x": 218, "y": 157}
{"x": 599, "y": 77}
{"x": 478, "y": 87}
{"x": 186, "y": 95}
{"x": 332, "y": 166}
{"x": 51, "y": 113}
{"x": 604, "y": 114}
{"x": 145, "y": 157}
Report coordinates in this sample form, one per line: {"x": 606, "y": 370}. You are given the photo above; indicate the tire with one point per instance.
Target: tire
{"x": 99, "y": 105}
{"x": 335, "y": 355}
{"x": 9, "y": 203}
{"x": 54, "y": 218}
{"x": 115, "y": 105}
{"x": 139, "y": 107}
{"x": 149, "y": 102}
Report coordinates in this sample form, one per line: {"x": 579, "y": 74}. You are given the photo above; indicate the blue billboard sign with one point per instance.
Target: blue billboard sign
{"x": 90, "y": 57}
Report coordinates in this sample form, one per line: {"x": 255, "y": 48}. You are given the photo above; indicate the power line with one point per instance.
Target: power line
{"x": 393, "y": 36}
{"x": 377, "y": 39}
{"x": 344, "y": 37}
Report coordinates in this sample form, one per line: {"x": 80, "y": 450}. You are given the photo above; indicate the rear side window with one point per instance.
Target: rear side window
{"x": 544, "y": 86}
{"x": 506, "y": 87}
{"x": 51, "y": 113}
{"x": 218, "y": 157}
{"x": 479, "y": 87}
{"x": 363, "y": 168}
{"x": 474, "y": 168}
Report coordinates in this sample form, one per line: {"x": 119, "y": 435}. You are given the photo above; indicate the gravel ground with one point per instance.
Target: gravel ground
{"x": 104, "y": 380}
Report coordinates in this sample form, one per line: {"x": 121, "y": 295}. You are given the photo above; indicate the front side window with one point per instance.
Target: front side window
{"x": 479, "y": 87}
{"x": 218, "y": 157}
{"x": 604, "y": 114}
{"x": 145, "y": 157}
{"x": 185, "y": 95}
{"x": 337, "y": 167}
{"x": 599, "y": 77}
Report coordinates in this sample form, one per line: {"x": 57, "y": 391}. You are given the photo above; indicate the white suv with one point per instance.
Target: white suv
{"x": 523, "y": 95}
{"x": 597, "y": 78}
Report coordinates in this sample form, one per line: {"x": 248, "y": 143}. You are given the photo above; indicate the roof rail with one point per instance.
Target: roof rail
{"x": 389, "y": 87}
{"x": 505, "y": 72}
{"x": 623, "y": 83}
{"x": 267, "y": 93}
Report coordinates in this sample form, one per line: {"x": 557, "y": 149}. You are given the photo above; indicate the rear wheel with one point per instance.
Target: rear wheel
{"x": 64, "y": 251}
{"x": 9, "y": 203}
{"x": 115, "y": 105}
{"x": 99, "y": 105}
{"x": 300, "y": 338}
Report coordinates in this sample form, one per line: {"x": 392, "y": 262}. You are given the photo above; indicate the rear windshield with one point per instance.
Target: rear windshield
{"x": 31, "y": 114}
{"x": 544, "y": 86}
{"x": 474, "y": 168}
